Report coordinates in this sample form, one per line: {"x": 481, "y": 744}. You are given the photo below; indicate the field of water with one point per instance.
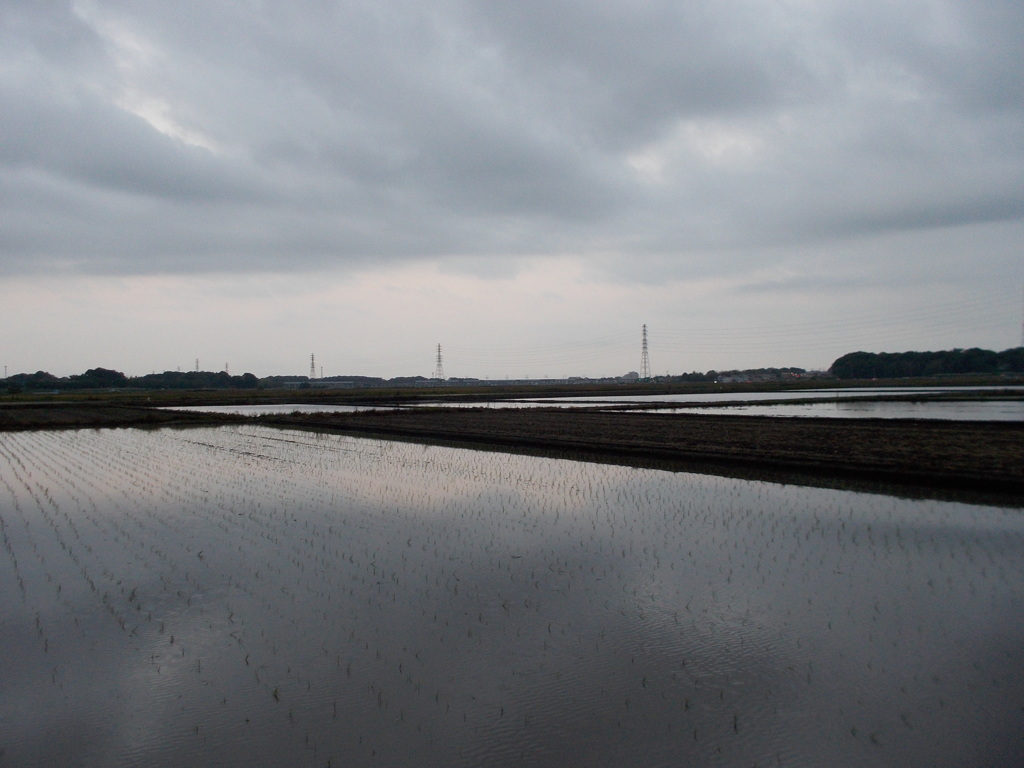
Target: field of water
{"x": 695, "y": 398}
{"x": 978, "y": 403}
{"x": 271, "y": 408}
{"x": 256, "y": 597}
{"x": 950, "y": 410}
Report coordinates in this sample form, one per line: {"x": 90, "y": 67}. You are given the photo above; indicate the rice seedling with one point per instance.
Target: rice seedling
{"x": 454, "y": 607}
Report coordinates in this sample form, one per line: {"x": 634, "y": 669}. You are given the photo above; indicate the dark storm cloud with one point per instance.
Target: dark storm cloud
{"x": 188, "y": 136}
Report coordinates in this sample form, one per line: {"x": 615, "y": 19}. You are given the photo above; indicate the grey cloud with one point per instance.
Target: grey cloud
{"x": 343, "y": 134}
{"x": 109, "y": 149}
{"x": 626, "y": 70}
{"x": 40, "y": 34}
{"x": 968, "y": 54}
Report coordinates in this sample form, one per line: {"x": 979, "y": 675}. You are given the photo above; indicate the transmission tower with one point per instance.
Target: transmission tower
{"x": 645, "y": 361}
{"x": 439, "y": 369}
{"x": 312, "y": 367}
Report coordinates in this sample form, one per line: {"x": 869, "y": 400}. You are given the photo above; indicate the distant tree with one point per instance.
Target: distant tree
{"x": 400, "y": 381}
{"x": 977, "y": 361}
{"x": 1011, "y": 359}
{"x": 37, "y": 380}
{"x": 895, "y": 365}
{"x": 195, "y": 380}
{"x": 99, "y": 378}
{"x": 856, "y": 365}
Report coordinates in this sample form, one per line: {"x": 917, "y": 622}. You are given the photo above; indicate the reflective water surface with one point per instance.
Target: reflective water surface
{"x": 246, "y": 596}
{"x": 929, "y": 403}
{"x": 271, "y": 408}
{"x": 789, "y": 394}
{"x": 952, "y": 410}
{"x": 832, "y": 403}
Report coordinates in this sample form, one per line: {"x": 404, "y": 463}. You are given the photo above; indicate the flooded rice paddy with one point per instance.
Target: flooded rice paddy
{"x": 271, "y": 408}
{"x": 249, "y": 596}
{"x": 950, "y": 410}
{"x": 696, "y": 398}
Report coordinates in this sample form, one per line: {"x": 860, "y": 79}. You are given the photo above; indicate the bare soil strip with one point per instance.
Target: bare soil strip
{"x": 913, "y": 457}
{"x": 923, "y": 454}
{"x": 25, "y": 416}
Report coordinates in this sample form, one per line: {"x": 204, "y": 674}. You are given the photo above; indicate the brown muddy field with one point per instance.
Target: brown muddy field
{"x": 22, "y": 416}
{"x": 921, "y": 455}
{"x": 977, "y": 456}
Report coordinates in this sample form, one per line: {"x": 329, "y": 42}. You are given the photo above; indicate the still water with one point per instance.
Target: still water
{"x": 247, "y": 596}
{"x": 271, "y": 408}
{"x": 780, "y": 395}
{"x": 977, "y": 403}
{"x": 826, "y": 403}
{"x": 950, "y": 410}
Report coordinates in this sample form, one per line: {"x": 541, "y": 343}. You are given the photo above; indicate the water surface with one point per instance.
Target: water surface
{"x": 248, "y": 596}
{"x": 272, "y": 408}
{"x": 949, "y": 410}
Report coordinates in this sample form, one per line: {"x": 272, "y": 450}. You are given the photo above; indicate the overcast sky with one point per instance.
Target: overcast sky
{"x": 526, "y": 183}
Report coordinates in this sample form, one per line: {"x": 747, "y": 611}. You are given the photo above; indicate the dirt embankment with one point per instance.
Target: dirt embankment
{"x": 985, "y": 456}
{"x": 916, "y": 456}
{"x": 25, "y": 416}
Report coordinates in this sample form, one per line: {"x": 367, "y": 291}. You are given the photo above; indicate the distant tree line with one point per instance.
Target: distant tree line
{"x": 342, "y": 382}
{"x": 104, "y": 378}
{"x": 901, "y": 365}
{"x": 856, "y": 365}
{"x": 193, "y": 380}
{"x": 747, "y": 374}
